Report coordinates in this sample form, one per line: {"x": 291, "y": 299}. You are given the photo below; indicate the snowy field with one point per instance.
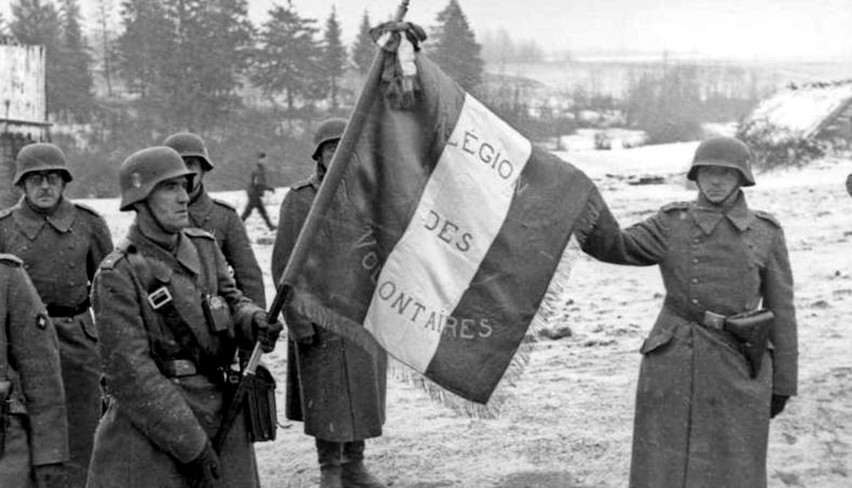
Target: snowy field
{"x": 568, "y": 421}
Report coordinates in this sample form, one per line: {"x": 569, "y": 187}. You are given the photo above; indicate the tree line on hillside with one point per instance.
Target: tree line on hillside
{"x": 203, "y": 66}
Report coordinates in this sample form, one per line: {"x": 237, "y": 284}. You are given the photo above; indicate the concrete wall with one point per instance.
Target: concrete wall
{"x": 23, "y": 108}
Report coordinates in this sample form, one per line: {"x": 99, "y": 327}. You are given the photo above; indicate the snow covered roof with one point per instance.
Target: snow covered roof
{"x": 799, "y": 112}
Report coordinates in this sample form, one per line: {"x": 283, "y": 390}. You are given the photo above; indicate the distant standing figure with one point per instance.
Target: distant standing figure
{"x": 702, "y": 406}
{"x": 256, "y": 189}
{"x": 35, "y": 432}
{"x": 62, "y": 243}
{"x": 335, "y": 387}
{"x": 218, "y": 217}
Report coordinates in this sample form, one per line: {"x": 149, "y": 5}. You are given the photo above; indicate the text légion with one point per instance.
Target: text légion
{"x": 484, "y": 152}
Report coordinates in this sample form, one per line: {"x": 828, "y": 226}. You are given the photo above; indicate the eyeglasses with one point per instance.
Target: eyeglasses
{"x": 37, "y": 179}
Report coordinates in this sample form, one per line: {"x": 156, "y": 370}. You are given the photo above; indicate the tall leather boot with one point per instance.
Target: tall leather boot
{"x": 355, "y": 474}
{"x": 330, "y": 460}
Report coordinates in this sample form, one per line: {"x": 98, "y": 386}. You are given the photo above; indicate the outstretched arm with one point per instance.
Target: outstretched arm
{"x": 642, "y": 244}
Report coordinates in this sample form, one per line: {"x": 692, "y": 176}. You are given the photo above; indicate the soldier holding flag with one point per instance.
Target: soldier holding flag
{"x": 705, "y": 396}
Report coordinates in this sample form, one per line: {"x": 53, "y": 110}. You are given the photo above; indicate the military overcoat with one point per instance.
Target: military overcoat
{"x": 61, "y": 252}
{"x": 701, "y": 420}
{"x": 159, "y": 419}
{"x": 336, "y": 388}
{"x": 36, "y": 429}
{"x": 221, "y": 220}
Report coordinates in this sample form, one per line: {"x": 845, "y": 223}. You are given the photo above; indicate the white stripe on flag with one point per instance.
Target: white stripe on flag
{"x": 461, "y": 211}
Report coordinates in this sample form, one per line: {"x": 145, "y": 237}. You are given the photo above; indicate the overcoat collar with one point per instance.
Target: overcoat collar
{"x": 185, "y": 255}
{"x": 31, "y": 222}
{"x": 201, "y": 207}
{"x": 708, "y": 216}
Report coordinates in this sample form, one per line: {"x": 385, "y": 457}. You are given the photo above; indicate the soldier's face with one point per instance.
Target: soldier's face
{"x": 325, "y": 156}
{"x": 43, "y": 189}
{"x": 717, "y": 183}
{"x": 168, "y": 202}
{"x": 194, "y": 164}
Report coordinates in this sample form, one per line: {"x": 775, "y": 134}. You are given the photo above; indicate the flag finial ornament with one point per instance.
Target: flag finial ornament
{"x": 399, "y": 70}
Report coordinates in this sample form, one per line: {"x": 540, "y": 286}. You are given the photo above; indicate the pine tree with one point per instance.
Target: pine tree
{"x": 333, "y": 56}
{"x": 77, "y": 99}
{"x": 185, "y": 58}
{"x": 38, "y": 23}
{"x": 288, "y": 59}
{"x": 104, "y": 44}
{"x": 145, "y": 47}
{"x": 454, "y": 47}
{"x": 364, "y": 49}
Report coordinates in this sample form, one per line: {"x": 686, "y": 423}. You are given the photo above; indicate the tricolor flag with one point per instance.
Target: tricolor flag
{"x": 442, "y": 237}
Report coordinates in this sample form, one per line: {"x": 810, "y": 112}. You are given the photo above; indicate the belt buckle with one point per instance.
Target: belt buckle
{"x": 159, "y": 297}
{"x": 183, "y": 367}
{"x": 713, "y": 320}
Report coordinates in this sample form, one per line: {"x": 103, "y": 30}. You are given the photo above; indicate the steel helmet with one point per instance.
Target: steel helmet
{"x": 144, "y": 169}
{"x": 727, "y": 152}
{"x": 40, "y": 156}
{"x": 328, "y": 130}
{"x": 188, "y": 145}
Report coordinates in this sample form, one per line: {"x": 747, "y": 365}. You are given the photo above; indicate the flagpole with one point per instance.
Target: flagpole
{"x": 335, "y": 173}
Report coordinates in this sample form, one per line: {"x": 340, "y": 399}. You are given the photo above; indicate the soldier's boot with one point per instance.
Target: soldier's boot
{"x": 330, "y": 459}
{"x": 355, "y": 474}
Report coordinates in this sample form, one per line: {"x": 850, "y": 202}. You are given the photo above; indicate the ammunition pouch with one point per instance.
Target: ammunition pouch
{"x": 260, "y": 406}
{"x": 751, "y": 329}
{"x": 5, "y": 400}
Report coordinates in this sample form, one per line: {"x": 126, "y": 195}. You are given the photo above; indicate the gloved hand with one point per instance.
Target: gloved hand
{"x": 203, "y": 471}
{"x": 265, "y": 332}
{"x": 777, "y": 405}
{"x": 50, "y": 475}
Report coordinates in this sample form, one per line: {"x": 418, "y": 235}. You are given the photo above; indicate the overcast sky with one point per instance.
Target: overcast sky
{"x": 741, "y": 29}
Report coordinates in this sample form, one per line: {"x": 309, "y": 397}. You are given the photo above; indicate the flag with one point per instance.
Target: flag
{"x": 442, "y": 236}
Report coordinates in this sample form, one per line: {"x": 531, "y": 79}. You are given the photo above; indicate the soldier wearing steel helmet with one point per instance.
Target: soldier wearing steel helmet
{"x": 257, "y": 187}
{"x": 703, "y": 403}
{"x": 170, "y": 319}
{"x": 218, "y": 217}
{"x": 336, "y": 388}
{"x": 33, "y": 426}
{"x": 61, "y": 243}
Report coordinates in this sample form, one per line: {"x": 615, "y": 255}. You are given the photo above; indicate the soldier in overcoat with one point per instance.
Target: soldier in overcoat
{"x": 218, "y": 217}
{"x": 701, "y": 420}
{"x": 61, "y": 243}
{"x": 170, "y": 320}
{"x": 33, "y": 425}
{"x": 336, "y": 388}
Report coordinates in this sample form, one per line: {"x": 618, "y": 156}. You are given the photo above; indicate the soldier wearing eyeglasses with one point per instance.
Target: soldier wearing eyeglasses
{"x": 61, "y": 244}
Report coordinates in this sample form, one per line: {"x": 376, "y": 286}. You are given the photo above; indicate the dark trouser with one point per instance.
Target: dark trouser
{"x": 342, "y": 465}
{"x": 80, "y": 362}
{"x": 257, "y": 203}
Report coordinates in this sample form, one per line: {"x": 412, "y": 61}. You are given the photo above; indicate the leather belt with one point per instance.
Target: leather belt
{"x": 63, "y": 311}
{"x": 705, "y": 318}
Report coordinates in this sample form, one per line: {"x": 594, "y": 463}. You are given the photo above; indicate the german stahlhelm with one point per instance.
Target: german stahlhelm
{"x": 144, "y": 169}
{"x": 40, "y": 156}
{"x": 329, "y": 130}
{"x": 190, "y": 145}
{"x": 727, "y": 152}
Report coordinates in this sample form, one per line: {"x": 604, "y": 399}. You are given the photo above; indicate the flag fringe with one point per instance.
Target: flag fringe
{"x": 548, "y": 312}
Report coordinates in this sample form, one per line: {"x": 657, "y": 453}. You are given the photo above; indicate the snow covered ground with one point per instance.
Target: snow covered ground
{"x": 568, "y": 422}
